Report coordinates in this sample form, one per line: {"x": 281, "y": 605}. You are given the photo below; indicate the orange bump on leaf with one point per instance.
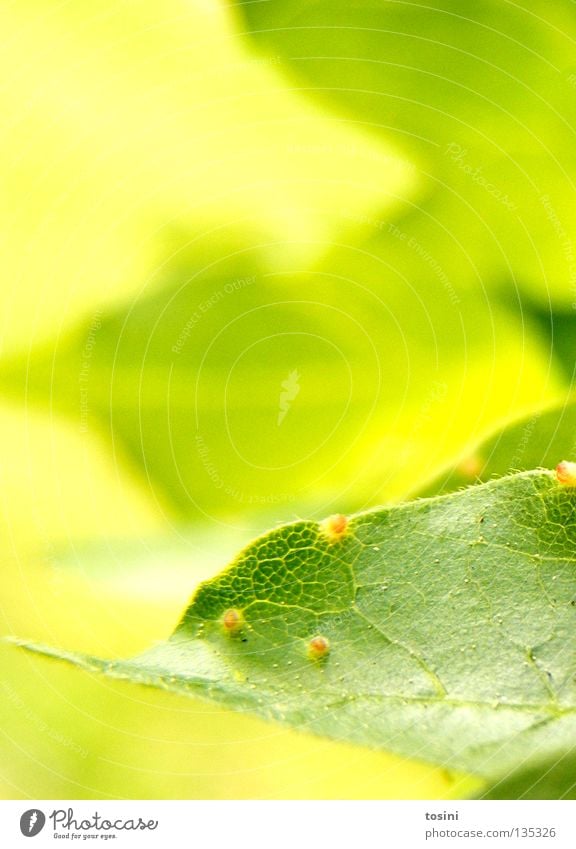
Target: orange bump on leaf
{"x": 470, "y": 466}
{"x": 318, "y": 647}
{"x": 232, "y": 620}
{"x": 335, "y": 527}
{"x": 566, "y": 473}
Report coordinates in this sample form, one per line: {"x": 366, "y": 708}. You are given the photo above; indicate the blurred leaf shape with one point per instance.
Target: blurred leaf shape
{"x": 542, "y": 439}
{"x": 558, "y": 328}
{"x": 551, "y": 778}
{"x": 61, "y": 487}
{"x": 123, "y": 120}
{"x": 450, "y": 642}
{"x": 481, "y": 97}
{"x": 242, "y": 383}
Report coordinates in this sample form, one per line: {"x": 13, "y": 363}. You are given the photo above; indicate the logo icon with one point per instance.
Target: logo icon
{"x": 32, "y": 822}
{"x": 291, "y": 388}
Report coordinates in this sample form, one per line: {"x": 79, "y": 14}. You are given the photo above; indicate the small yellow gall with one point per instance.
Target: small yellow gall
{"x": 334, "y": 528}
{"x": 566, "y": 473}
{"x": 318, "y": 648}
{"x": 232, "y": 620}
{"x": 471, "y": 466}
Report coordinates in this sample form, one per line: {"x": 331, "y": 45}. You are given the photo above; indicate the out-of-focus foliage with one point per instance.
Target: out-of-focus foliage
{"x": 558, "y": 327}
{"x": 537, "y": 441}
{"x": 124, "y": 121}
{"x": 239, "y": 385}
{"x": 549, "y": 778}
{"x": 480, "y": 96}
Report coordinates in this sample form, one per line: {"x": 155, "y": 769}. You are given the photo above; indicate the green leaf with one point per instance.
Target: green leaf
{"x": 479, "y": 96}
{"x": 220, "y": 139}
{"x": 552, "y": 778}
{"x": 241, "y": 385}
{"x": 540, "y": 440}
{"x": 428, "y": 71}
{"x": 450, "y": 623}
{"x": 558, "y": 327}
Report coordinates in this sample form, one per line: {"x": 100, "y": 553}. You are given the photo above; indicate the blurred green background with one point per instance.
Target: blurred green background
{"x": 250, "y": 278}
